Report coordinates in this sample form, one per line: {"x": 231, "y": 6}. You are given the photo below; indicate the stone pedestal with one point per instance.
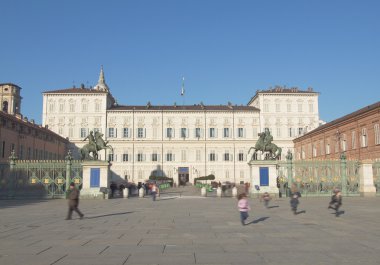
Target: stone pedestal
{"x": 234, "y": 192}
{"x": 219, "y": 192}
{"x": 203, "y": 192}
{"x": 263, "y": 174}
{"x": 125, "y": 193}
{"x": 95, "y": 177}
{"x": 366, "y": 186}
{"x": 141, "y": 192}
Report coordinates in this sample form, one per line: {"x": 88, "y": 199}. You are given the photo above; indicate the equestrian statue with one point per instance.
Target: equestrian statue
{"x": 265, "y": 145}
{"x": 95, "y": 144}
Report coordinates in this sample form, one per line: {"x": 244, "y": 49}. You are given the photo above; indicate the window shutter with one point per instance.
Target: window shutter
{"x": 115, "y": 132}
{"x": 144, "y": 157}
{"x": 244, "y": 132}
{"x": 231, "y": 157}
{"x": 216, "y": 132}
{"x": 216, "y": 157}
{"x": 173, "y": 157}
{"x": 158, "y": 157}
{"x": 144, "y": 132}
{"x": 187, "y": 132}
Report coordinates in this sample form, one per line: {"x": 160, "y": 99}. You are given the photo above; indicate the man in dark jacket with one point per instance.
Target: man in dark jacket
{"x": 73, "y": 197}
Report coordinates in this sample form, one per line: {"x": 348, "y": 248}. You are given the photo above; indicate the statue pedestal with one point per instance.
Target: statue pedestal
{"x": 263, "y": 175}
{"x": 95, "y": 177}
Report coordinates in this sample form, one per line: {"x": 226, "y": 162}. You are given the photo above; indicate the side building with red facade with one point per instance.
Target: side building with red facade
{"x": 29, "y": 140}
{"x": 357, "y": 135}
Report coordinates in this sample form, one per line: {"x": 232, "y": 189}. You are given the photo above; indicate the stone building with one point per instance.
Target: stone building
{"x": 27, "y": 139}
{"x": 357, "y": 135}
{"x": 177, "y": 141}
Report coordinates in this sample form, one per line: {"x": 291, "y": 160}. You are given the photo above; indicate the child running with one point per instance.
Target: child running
{"x": 243, "y": 207}
{"x": 266, "y": 198}
{"x": 336, "y": 201}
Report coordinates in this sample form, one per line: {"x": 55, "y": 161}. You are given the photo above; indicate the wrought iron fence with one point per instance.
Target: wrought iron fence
{"x": 319, "y": 177}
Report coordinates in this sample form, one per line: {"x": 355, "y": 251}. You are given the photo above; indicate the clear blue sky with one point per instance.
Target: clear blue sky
{"x": 225, "y": 49}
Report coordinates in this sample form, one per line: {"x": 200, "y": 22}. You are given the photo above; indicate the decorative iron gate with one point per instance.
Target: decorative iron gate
{"x": 39, "y": 178}
{"x": 320, "y": 177}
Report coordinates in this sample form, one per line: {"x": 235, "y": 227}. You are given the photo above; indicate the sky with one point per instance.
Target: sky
{"x": 225, "y": 49}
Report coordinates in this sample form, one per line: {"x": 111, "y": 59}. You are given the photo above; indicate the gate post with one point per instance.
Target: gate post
{"x": 343, "y": 173}
{"x": 68, "y": 169}
{"x": 289, "y": 165}
{"x": 366, "y": 185}
{"x": 12, "y": 164}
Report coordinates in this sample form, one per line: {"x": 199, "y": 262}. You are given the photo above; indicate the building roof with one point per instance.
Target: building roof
{"x": 283, "y": 90}
{"x": 342, "y": 119}
{"x": 23, "y": 121}
{"x": 9, "y": 84}
{"x": 74, "y": 90}
{"x": 195, "y": 107}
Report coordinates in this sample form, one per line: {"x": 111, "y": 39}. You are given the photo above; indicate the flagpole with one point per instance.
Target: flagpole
{"x": 183, "y": 91}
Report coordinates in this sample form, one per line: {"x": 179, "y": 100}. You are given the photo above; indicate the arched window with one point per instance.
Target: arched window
{"x": 5, "y": 106}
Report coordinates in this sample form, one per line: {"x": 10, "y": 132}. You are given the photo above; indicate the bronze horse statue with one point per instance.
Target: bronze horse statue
{"x": 266, "y": 146}
{"x": 96, "y": 143}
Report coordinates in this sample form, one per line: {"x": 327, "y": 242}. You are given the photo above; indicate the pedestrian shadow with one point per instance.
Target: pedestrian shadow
{"x": 338, "y": 213}
{"x": 274, "y": 206}
{"x": 167, "y": 198}
{"x": 106, "y": 215}
{"x": 303, "y": 211}
{"x": 261, "y": 219}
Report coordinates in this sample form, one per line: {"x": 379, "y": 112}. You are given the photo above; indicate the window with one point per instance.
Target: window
{"x": 97, "y": 107}
{"x": 327, "y": 149}
{"x": 125, "y": 132}
{"x": 300, "y": 131}
{"x": 140, "y": 157}
{"x": 72, "y": 107}
{"x": 376, "y": 129}
{"x": 314, "y": 151}
{"x": 183, "y": 155}
{"x": 311, "y": 107}
{"x": 71, "y": 132}
{"x": 125, "y": 158}
{"x": 84, "y": 107}
{"x": 241, "y": 156}
{"x": 299, "y": 107}
{"x": 364, "y": 137}
{"x": 353, "y": 140}
{"x": 212, "y": 156}
{"x": 112, "y": 132}
{"x": 288, "y": 107}
{"x": 197, "y": 132}
{"x": 183, "y": 132}
{"x": 154, "y": 157}
{"x": 212, "y": 133}
{"x": 240, "y": 132}
{"x": 169, "y": 156}
{"x": 5, "y": 106}
{"x": 110, "y": 157}
{"x": 198, "y": 155}
{"x": 291, "y": 134}
{"x": 83, "y": 132}
{"x": 226, "y": 132}
{"x": 266, "y": 107}
{"x": 169, "y": 132}
{"x": 278, "y": 108}
{"x": 278, "y": 132}
{"x": 226, "y": 156}
{"x": 140, "y": 133}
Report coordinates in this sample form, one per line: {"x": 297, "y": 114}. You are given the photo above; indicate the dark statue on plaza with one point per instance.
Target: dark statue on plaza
{"x": 95, "y": 144}
{"x": 265, "y": 145}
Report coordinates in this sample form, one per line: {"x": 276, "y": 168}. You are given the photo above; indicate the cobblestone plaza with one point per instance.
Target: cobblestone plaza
{"x": 189, "y": 230}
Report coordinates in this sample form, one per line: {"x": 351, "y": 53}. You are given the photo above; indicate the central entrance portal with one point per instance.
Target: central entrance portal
{"x": 183, "y": 175}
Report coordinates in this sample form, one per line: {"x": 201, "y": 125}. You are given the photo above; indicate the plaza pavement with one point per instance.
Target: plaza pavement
{"x": 189, "y": 230}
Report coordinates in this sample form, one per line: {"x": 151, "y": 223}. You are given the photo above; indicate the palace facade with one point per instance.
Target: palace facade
{"x": 357, "y": 135}
{"x": 183, "y": 142}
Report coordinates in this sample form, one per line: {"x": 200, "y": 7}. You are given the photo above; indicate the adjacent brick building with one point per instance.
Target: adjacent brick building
{"x": 356, "y": 134}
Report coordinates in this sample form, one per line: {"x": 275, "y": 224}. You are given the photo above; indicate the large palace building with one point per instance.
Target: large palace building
{"x": 179, "y": 141}
{"x": 27, "y": 139}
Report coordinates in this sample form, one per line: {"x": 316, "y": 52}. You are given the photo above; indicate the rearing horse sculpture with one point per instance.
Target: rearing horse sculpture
{"x": 266, "y": 146}
{"x": 96, "y": 143}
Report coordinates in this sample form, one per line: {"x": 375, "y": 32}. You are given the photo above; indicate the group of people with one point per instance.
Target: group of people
{"x": 243, "y": 205}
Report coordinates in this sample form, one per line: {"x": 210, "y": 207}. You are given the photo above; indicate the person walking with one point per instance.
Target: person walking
{"x": 294, "y": 195}
{"x": 73, "y": 198}
{"x": 266, "y": 198}
{"x": 336, "y": 202}
{"x": 243, "y": 207}
{"x": 154, "y": 191}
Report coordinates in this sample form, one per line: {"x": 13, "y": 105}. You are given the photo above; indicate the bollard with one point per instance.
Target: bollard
{"x": 125, "y": 193}
{"x": 203, "y": 192}
{"x": 234, "y": 192}
{"x": 141, "y": 192}
{"x": 219, "y": 192}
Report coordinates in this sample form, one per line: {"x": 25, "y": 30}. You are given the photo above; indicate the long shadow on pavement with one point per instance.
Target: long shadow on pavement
{"x": 105, "y": 215}
{"x": 261, "y": 219}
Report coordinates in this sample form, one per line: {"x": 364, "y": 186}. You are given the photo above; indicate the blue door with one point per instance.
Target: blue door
{"x": 264, "y": 176}
{"x": 95, "y": 178}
